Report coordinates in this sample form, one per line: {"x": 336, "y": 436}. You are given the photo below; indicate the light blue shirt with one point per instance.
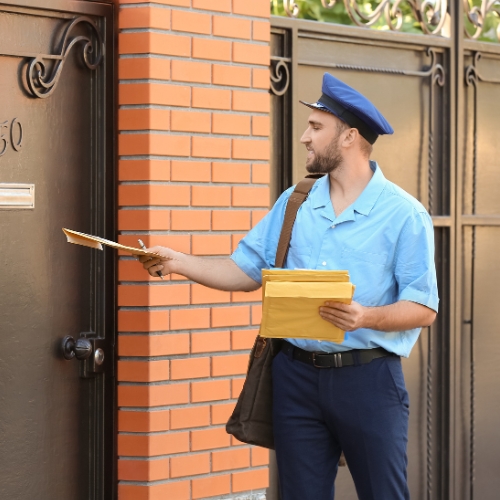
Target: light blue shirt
{"x": 385, "y": 239}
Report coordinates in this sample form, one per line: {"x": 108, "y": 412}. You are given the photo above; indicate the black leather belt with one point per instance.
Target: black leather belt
{"x": 334, "y": 360}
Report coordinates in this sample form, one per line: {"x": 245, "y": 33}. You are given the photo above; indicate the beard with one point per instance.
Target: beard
{"x": 327, "y": 161}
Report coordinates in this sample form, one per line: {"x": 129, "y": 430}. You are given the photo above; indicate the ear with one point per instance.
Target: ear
{"x": 350, "y": 137}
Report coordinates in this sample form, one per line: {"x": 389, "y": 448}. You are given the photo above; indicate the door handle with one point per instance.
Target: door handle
{"x": 80, "y": 348}
{"x": 87, "y": 348}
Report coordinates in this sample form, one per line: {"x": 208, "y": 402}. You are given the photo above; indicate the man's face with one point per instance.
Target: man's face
{"x": 321, "y": 140}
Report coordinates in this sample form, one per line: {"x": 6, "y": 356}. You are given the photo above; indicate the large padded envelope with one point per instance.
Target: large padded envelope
{"x": 291, "y": 308}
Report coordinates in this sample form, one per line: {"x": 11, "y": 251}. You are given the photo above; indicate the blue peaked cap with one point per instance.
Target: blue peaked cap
{"x": 351, "y": 107}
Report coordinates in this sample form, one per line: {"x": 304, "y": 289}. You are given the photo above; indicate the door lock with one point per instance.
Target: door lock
{"x": 87, "y": 348}
{"x": 80, "y": 348}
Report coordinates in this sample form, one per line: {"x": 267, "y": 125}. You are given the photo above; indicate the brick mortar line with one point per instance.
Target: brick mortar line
{"x": 181, "y": 357}
{"x": 198, "y": 232}
{"x": 188, "y": 478}
{"x": 190, "y": 158}
{"x": 202, "y": 475}
{"x": 208, "y": 450}
{"x": 169, "y": 431}
{"x": 228, "y": 15}
{"x": 167, "y": 308}
{"x": 184, "y": 208}
{"x": 174, "y": 431}
{"x": 191, "y": 84}
{"x": 214, "y": 135}
{"x": 195, "y": 34}
{"x": 185, "y": 307}
{"x": 167, "y": 57}
{"x": 249, "y": 328}
{"x": 194, "y": 184}
{"x": 211, "y": 135}
{"x": 209, "y": 329}
{"x": 207, "y": 135}
{"x": 180, "y": 406}
{"x": 197, "y": 355}
{"x": 180, "y": 183}
{"x": 132, "y": 383}
{"x": 166, "y": 107}
{"x": 147, "y": 409}
{"x": 225, "y": 112}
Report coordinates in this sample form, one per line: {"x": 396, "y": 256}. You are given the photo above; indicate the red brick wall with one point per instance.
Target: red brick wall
{"x": 194, "y": 174}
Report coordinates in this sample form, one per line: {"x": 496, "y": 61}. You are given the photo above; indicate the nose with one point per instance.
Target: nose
{"x": 305, "y": 139}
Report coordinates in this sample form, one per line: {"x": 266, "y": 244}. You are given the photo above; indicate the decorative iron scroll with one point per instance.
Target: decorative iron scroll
{"x": 473, "y": 75}
{"x": 430, "y": 14}
{"x": 41, "y": 82}
{"x": 435, "y": 70}
{"x": 477, "y": 16}
{"x": 280, "y": 75}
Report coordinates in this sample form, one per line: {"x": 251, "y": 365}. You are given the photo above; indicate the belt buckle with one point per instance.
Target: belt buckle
{"x": 337, "y": 360}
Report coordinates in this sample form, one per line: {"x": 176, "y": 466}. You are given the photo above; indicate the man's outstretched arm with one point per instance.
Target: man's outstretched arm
{"x": 222, "y": 274}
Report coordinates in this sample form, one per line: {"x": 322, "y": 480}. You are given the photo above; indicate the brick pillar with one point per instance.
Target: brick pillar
{"x": 194, "y": 174}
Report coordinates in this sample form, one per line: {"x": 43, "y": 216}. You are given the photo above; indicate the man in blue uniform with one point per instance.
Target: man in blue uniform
{"x": 348, "y": 397}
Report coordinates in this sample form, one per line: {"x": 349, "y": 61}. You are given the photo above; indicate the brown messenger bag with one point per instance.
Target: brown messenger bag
{"x": 252, "y": 418}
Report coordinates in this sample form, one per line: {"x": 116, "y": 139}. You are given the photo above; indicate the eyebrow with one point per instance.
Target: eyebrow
{"x": 312, "y": 122}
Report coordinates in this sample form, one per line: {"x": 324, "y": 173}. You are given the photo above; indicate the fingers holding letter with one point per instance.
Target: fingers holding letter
{"x": 162, "y": 262}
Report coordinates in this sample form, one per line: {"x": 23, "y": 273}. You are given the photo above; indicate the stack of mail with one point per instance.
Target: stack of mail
{"x": 291, "y": 302}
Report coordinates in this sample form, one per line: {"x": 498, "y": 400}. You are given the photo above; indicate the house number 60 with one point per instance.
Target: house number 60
{"x": 11, "y": 133}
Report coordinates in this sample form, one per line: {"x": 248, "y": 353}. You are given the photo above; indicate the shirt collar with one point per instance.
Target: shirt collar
{"x": 320, "y": 197}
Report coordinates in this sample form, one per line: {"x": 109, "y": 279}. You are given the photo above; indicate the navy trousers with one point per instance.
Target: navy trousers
{"x": 320, "y": 412}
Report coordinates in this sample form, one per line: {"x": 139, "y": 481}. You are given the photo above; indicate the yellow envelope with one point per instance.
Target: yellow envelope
{"x": 298, "y": 275}
{"x": 291, "y": 308}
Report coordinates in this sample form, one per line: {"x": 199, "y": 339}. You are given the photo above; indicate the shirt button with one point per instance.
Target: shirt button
{"x": 333, "y": 227}
{"x": 324, "y": 263}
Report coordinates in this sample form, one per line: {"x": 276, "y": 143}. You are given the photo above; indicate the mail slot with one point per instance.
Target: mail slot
{"x": 17, "y": 196}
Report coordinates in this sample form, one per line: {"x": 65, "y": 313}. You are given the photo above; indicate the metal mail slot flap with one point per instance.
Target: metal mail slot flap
{"x": 17, "y": 196}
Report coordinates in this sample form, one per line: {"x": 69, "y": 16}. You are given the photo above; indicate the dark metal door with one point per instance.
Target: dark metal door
{"x": 56, "y": 170}
{"x": 408, "y": 78}
{"x": 441, "y": 96}
{"x": 476, "y": 396}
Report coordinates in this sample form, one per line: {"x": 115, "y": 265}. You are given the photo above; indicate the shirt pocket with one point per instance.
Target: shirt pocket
{"x": 377, "y": 259}
{"x": 368, "y": 271}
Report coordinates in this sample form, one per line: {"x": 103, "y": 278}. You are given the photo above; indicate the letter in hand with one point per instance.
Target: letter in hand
{"x": 163, "y": 263}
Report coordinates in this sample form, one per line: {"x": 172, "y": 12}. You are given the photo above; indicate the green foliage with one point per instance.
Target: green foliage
{"x": 314, "y": 10}
{"x": 491, "y": 30}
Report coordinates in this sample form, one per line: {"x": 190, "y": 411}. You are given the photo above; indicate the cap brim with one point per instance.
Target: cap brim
{"x": 315, "y": 105}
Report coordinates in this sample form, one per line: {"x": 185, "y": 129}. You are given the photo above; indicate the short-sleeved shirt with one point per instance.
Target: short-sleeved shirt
{"x": 385, "y": 240}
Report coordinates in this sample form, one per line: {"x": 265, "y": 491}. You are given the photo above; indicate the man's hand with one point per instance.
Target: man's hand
{"x": 219, "y": 273}
{"x": 347, "y": 317}
{"x": 400, "y": 316}
{"x": 165, "y": 262}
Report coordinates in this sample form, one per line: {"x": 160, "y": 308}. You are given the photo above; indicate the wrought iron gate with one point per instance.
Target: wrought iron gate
{"x": 440, "y": 95}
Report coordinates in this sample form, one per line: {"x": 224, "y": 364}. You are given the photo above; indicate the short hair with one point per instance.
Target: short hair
{"x": 366, "y": 147}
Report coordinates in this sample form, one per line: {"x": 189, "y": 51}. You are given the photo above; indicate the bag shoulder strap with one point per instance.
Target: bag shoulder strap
{"x": 299, "y": 195}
